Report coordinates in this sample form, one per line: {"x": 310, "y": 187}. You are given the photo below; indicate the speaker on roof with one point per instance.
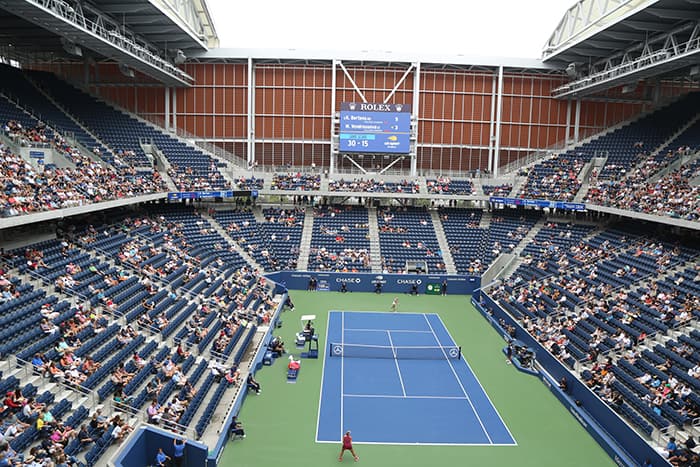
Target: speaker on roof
{"x": 71, "y": 48}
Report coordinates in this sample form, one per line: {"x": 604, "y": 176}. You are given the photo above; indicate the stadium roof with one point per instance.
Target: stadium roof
{"x": 380, "y": 58}
{"x": 150, "y": 36}
{"x": 607, "y": 43}
{"x": 171, "y": 24}
{"x": 595, "y": 29}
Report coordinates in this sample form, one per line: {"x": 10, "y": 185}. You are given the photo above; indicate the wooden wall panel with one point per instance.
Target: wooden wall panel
{"x": 292, "y": 104}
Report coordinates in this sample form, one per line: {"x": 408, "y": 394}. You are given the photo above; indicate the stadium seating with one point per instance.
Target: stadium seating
{"x": 558, "y": 178}
{"x": 408, "y": 234}
{"x": 339, "y": 241}
{"x": 274, "y": 243}
{"x": 191, "y": 169}
{"x": 447, "y": 186}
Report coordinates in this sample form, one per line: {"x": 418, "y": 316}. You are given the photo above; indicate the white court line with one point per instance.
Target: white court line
{"x": 392, "y": 443}
{"x": 389, "y": 396}
{"x": 480, "y": 385}
{"x": 460, "y": 382}
{"x": 396, "y": 361}
{"x": 384, "y": 330}
{"x": 342, "y": 372}
{"x": 323, "y": 371}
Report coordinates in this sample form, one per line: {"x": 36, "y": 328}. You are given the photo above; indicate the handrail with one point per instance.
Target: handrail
{"x": 143, "y": 418}
{"x": 90, "y": 394}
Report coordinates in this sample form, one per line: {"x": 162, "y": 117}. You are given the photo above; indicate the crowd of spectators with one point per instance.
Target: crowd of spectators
{"x": 187, "y": 179}
{"x": 374, "y": 186}
{"x": 445, "y": 185}
{"x": 497, "y": 190}
{"x": 672, "y": 195}
{"x": 554, "y": 179}
{"x": 343, "y": 260}
{"x": 27, "y": 190}
{"x": 243, "y": 183}
{"x": 296, "y": 182}
{"x": 548, "y": 327}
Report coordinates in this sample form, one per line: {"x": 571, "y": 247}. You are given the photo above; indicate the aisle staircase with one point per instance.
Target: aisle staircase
{"x": 305, "y": 245}
{"x": 450, "y": 267}
{"x": 374, "y": 247}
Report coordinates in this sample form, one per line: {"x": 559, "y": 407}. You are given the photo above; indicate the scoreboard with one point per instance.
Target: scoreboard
{"x": 375, "y": 128}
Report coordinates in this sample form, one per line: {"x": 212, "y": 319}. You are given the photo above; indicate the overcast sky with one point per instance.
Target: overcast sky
{"x": 507, "y": 28}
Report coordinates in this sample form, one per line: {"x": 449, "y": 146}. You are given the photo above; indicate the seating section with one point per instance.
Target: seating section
{"x": 558, "y": 178}
{"x": 588, "y": 295}
{"x": 408, "y": 234}
{"x": 340, "y": 239}
{"x": 16, "y": 83}
{"x": 211, "y": 304}
{"x": 447, "y": 186}
{"x": 295, "y": 182}
{"x": 546, "y": 253}
{"x": 474, "y": 248}
{"x": 191, "y": 169}
{"x": 373, "y": 186}
{"x": 251, "y": 183}
{"x": 497, "y": 190}
{"x": 274, "y": 244}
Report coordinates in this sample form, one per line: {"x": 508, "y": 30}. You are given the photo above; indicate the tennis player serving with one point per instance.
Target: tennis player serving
{"x": 347, "y": 446}
{"x": 395, "y": 304}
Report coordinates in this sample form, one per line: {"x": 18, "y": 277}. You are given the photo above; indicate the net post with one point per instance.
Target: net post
{"x": 330, "y": 349}
{"x": 459, "y": 352}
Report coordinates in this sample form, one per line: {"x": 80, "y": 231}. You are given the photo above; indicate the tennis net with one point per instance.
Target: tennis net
{"x": 453, "y": 352}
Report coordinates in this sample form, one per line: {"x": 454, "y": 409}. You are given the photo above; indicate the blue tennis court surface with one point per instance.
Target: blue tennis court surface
{"x": 398, "y": 378}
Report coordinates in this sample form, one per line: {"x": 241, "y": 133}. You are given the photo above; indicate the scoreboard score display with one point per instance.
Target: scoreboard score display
{"x": 375, "y": 128}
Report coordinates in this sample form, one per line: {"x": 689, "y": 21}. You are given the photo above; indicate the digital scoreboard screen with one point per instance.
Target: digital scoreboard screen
{"x": 375, "y": 128}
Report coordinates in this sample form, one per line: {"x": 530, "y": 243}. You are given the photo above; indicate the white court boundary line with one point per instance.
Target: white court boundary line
{"x": 342, "y": 374}
{"x": 323, "y": 371}
{"x": 389, "y": 396}
{"x": 385, "y": 330}
{"x": 390, "y": 443}
{"x": 394, "y": 443}
{"x": 454, "y": 372}
{"x": 398, "y": 369}
{"x": 515, "y": 443}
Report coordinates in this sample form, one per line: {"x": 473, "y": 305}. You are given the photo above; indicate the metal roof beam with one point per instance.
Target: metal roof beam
{"x": 661, "y": 54}
{"x": 123, "y": 8}
{"x": 587, "y": 18}
{"x": 92, "y": 30}
{"x": 646, "y": 25}
{"x": 623, "y": 35}
{"x": 668, "y": 13}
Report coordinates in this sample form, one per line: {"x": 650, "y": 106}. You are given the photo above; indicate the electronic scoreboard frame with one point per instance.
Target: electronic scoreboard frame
{"x": 375, "y": 128}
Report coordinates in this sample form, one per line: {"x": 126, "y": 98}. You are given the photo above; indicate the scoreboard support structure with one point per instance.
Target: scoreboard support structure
{"x": 374, "y": 137}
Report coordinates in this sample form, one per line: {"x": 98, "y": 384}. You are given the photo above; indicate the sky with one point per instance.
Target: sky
{"x": 502, "y": 28}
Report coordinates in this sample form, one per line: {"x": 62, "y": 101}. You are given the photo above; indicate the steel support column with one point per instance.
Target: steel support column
{"x": 414, "y": 117}
{"x": 567, "y": 137}
{"x": 492, "y": 122}
{"x": 577, "y": 120}
{"x": 334, "y": 145}
{"x": 167, "y": 109}
{"x": 175, "y": 109}
{"x": 499, "y": 106}
{"x": 250, "y": 138}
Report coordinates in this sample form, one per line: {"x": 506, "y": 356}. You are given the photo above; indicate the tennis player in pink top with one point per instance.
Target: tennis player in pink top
{"x": 347, "y": 446}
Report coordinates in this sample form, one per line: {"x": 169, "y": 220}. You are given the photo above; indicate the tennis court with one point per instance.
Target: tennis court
{"x": 401, "y": 379}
